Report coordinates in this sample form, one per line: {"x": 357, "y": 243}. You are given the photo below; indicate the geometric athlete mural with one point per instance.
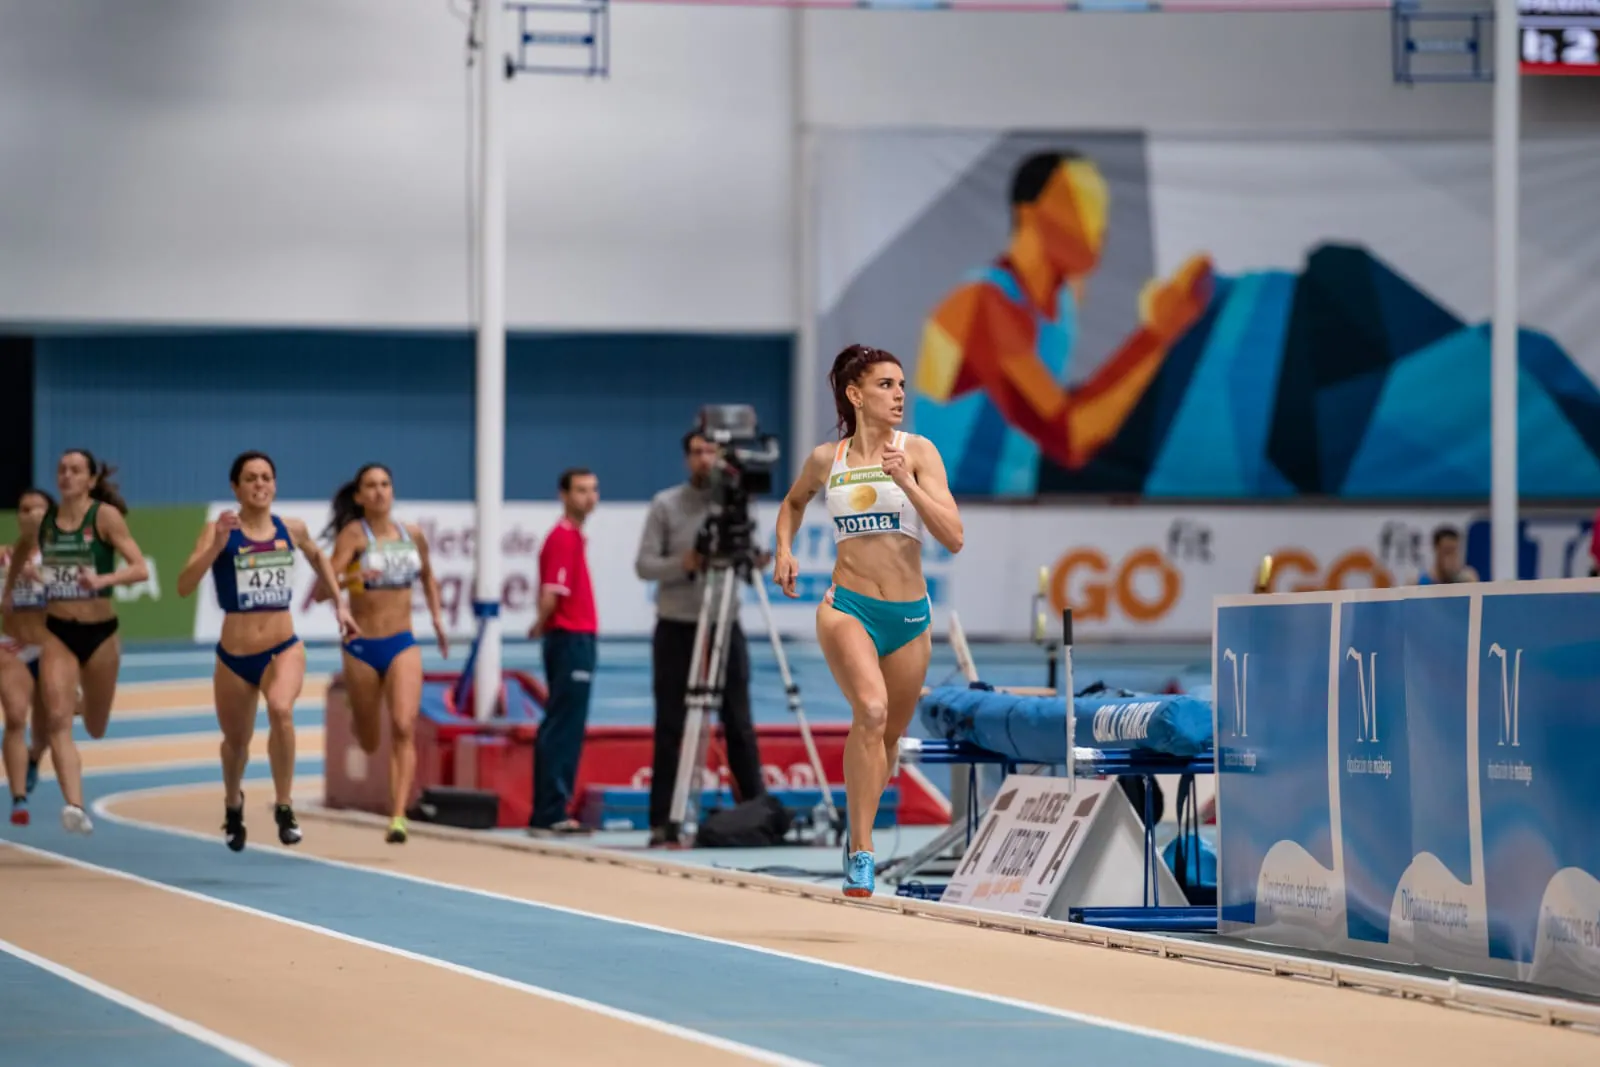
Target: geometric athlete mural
{"x": 1342, "y": 380}
{"x": 1104, "y": 312}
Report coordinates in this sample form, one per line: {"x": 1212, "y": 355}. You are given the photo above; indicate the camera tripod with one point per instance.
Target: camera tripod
{"x": 708, "y": 671}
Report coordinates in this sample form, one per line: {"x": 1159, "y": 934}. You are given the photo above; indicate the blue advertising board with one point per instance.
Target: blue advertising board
{"x": 1453, "y": 733}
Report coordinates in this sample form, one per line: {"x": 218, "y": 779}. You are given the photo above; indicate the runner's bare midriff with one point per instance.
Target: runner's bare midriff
{"x": 382, "y": 612}
{"x": 885, "y": 567}
{"x": 25, "y": 626}
{"x": 100, "y": 609}
{"x": 246, "y": 633}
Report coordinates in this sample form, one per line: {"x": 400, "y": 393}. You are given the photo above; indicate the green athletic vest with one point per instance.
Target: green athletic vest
{"x": 67, "y": 553}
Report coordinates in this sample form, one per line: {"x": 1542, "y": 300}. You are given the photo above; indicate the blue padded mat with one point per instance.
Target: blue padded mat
{"x": 1033, "y": 729}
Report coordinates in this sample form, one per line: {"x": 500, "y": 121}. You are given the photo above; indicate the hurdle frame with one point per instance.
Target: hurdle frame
{"x": 1151, "y": 914}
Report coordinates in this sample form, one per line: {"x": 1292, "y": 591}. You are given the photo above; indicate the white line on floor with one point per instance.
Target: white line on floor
{"x": 759, "y": 1055}
{"x": 103, "y": 805}
{"x": 238, "y": 1050}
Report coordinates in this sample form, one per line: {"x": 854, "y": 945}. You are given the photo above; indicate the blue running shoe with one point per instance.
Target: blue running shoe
{"x": 861, "y": 877}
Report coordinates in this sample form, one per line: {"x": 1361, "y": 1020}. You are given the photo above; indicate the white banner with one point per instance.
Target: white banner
{"x": 1028, "y": 842}
{"x": 1147, "y": 572}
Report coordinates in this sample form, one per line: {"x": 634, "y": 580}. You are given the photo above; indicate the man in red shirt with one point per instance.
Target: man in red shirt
{"x": 567, "y": 623}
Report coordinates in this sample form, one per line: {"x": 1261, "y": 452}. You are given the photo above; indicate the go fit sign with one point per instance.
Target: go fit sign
{"x": 1356, "y": 563}
{"x": 1143, "y": 586}
{"x": 1147, "y": 585}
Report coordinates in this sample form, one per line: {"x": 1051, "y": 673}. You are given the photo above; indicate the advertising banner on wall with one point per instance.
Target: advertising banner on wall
{"x": 1130, "y": 572}
{"x": 1095, "y": 312}
{"x": 1127, "y": 572}
{"x": 151, "y": 610}
{"x": 1407, "y": 775}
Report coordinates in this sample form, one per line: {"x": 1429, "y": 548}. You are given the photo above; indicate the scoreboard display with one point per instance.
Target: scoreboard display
{"x": 1560, "y": 36}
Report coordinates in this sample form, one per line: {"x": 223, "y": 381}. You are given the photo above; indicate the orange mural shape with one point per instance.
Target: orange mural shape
{"x": 983, "y": 337}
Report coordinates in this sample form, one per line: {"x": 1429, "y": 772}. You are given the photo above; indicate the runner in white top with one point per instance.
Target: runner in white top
{"x": 885, "y": 490}
{"x": 21, "y": 633}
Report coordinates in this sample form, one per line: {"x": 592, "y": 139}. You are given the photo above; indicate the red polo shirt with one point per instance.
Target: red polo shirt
{"x": 564, "y": 568}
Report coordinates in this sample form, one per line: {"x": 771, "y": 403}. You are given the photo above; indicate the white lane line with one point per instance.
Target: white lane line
{"x": 193, "y": 1030}
{"x": 102, "y": 810}
{"x": 252, "y": 774}
{"x": 759, "y": 1055}
{"x": 199, "y": 711}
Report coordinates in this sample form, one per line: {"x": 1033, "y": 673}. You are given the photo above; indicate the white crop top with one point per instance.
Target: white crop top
{"x": 865, "y": 500}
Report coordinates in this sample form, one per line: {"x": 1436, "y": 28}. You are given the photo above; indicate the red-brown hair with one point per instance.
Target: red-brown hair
{"x": 848, "y": 367}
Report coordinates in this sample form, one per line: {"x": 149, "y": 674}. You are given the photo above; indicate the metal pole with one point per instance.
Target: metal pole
{"x": 803, "y": 420}
{"x": 1503, "y": 340}
{"x": 792, "y": 691}
{"x": 491, "y": 365}
{"x": 694, "y": 706}
{"x": 1070, "y": 700}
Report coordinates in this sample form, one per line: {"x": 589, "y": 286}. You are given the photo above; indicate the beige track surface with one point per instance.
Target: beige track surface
{"x": 306, "y": 997}
{"x": 1300, "y": 1020}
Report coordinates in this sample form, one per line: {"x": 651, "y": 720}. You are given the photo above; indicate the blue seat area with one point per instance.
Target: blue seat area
{"x": 1032, "y": 729}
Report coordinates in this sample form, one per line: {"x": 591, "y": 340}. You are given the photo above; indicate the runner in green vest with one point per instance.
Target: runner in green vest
{"x": 79, "y": 541}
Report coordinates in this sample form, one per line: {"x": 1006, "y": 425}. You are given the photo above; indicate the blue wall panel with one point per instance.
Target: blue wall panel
{"x": 172, "y": 409}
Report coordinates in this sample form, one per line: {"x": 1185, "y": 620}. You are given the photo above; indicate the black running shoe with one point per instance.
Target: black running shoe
{"x": 288, "y": 827}
{"x": 233, "y": 827}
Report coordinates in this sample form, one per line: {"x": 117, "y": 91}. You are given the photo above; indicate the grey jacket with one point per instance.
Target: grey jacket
{"x": 670, "y": 526}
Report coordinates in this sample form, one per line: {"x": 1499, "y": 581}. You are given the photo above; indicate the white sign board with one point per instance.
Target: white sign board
{"x": 1042, "y": 851}
{"x": 1125, "y": 571}
{"x": 1025, "y": 844}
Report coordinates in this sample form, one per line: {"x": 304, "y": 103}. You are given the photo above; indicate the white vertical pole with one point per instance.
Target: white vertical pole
{"x": 802, "y": 376}
{"x": 1503, "y": 340}
{"x": 491, "y": 364}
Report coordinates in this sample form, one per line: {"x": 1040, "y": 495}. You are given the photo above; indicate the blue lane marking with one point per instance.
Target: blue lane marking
{"x": 52, "y": 1020}
{"x": 787, "y": 1006}
{"x": 306, "y": 715}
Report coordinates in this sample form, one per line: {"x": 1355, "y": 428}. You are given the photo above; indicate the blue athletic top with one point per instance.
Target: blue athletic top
{"x": 255, "y": 576}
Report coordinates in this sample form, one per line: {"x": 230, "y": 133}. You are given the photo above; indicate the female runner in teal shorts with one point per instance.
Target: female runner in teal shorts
{"x": 883, "y": 488}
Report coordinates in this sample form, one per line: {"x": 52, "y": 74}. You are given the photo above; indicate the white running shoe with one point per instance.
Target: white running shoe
{"x": 76, "y": 821}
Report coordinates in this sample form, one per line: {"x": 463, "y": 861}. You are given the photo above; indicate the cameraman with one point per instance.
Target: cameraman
{"x": 667, "y": 556}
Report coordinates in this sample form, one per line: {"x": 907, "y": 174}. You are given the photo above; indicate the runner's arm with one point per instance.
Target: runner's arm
{"x": 19, "y": 552}
{"x": 930, "y": 494}
{"x": 430, "y": 582}
{"x": 344, "y": 550}
{"x": 207, "y": 548}
{"x": 114, "y": 528}
{"x": 326, "y": 575}
{"x": 792, "y": 512}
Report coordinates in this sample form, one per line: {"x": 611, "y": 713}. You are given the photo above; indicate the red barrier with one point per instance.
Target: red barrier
{"x": 498, "y": 756}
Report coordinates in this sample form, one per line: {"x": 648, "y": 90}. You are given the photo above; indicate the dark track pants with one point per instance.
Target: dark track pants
{"x": 569, "y": 662}
{"x": 671, "y": 648}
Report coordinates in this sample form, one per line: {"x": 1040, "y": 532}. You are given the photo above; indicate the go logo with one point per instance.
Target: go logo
{"x": 1296, "y": 570}
{"x": 1143, "y": 586}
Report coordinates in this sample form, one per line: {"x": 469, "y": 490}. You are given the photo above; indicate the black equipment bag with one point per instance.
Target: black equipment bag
{"x": 1187, "y": 850}
{"x": 756, "y": 823}
{"x": 466, "y": 809}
